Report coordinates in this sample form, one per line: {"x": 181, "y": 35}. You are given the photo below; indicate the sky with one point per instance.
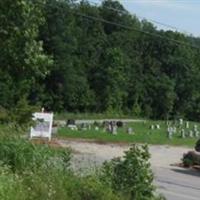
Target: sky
{"x": 182, "y": 14}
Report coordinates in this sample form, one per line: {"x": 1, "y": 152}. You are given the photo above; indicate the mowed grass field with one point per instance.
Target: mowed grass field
{"x": 67, "y": 115}
{"x": 142, "y": 134}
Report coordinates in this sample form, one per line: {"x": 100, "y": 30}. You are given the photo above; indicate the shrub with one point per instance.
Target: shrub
{"x": 131, "y": 176}
{"x": 197, "y": 146}
{"x": 91, "y": 188}
{"x": 191, "y": 158}
{"x": 21, "y": 114}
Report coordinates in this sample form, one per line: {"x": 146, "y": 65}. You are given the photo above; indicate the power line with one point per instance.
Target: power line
{"x": 144, "y": 18}
{"x": 135, "y": 29}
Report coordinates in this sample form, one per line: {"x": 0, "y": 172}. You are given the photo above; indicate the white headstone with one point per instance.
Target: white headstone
{"x": 182, "y": 133}
{"x": 114, "y": 130}
{"x": 196, "y": 133}
{"x": 195, "y": 127}
{"x": 96, "y": 128}
{"x": 191, "y": 134}
{"x": 152, "y": 126}
{"x": 157, "y": 126}
{"x": 130, "y": 131}
{"x": 187, "y": 125}
{"x": 43, "y": 126}
{"x": 174, "y": 130}
{"x": 170, "y": 132}
{"x": 72, "y": 127}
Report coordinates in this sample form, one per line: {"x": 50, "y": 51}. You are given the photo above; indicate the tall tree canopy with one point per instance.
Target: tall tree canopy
{"x": 73, "y": 56}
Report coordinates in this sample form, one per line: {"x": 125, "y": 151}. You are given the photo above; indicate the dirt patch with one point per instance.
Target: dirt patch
{"x": 161, "y": 155}
{"x": 53, "y": 143}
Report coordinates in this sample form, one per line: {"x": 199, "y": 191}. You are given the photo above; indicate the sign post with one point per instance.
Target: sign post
{"x": 43, "y": 126}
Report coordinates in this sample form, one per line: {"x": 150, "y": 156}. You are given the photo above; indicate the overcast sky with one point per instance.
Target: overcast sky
{"x": 183, "y": 14}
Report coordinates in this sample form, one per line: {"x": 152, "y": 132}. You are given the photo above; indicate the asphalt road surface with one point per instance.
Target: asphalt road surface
{"x": 177, "y": 183}
{"x": 174, "y": 183}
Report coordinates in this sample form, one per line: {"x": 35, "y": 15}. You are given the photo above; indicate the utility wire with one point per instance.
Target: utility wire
{"x": 144, "y": 18}
{"x": 135, "y": 29}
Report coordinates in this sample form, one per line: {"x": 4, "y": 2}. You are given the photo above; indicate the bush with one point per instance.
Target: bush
{"x": 197, "y": 146}
{"x": 21, "y": 114}
{"x": 191, "y": 158}
{"x": 131, "y": 176}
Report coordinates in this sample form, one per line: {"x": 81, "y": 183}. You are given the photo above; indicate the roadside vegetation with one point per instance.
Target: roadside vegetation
{"x": 31, "y": 171}
{"x": 142, "y": 133}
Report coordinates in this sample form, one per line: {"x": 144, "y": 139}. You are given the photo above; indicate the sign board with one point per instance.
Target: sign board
{"x": 43, "y": 126}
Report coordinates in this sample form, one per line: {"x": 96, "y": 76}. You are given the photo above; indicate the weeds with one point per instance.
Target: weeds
{"x": 29, "y": 171}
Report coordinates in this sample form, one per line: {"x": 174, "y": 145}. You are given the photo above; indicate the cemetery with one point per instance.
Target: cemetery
{"x": 177, "y": 132}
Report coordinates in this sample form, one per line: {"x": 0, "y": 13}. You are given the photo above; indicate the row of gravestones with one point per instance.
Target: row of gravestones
{"x": 108, "y": 126}
{"x": 185, "y": 132}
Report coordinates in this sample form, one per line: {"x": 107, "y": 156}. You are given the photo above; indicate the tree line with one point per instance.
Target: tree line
{"x": 70, "y": 56}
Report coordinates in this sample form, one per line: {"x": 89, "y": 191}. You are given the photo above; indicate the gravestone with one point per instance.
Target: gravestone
{"x": 180, "y": 122}
{"x": 196, "y": 133}
{"x": 170, "y": 132}
{"x": 174, "y": 130}
{"x": 84, "y": 127}
{"x": 191, "y": 134}
{"x": 182, "y": 133}
{"x": 152, "y": 127}
{"x": 120, "y": 124}
{"x": 157, "y": 126}
{"x": 195, "y": 127}
{"x": 187, "y": 125}
{"x": 96, "y": 128}
{"x": 130, "y": 131}
{"x": 70, "y": 122}
{"x": 114, "y": 130}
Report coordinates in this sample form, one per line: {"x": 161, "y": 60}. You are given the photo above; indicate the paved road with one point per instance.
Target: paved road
{"x": 175, "y": 183}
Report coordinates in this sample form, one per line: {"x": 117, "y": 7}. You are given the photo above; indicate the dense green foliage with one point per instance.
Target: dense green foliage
{"x": 33, "y": 171}
{"x": 132, "y": 175}
{"x": 53, "y": 57}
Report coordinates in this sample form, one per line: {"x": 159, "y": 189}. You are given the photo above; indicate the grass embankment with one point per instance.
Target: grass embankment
{"x": 65, "y": 116}
{"x": 31, "y": 171}
{"x": 142, "y": 134}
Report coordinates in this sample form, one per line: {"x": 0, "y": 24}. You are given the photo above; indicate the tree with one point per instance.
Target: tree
{"x": 22, "y": 59}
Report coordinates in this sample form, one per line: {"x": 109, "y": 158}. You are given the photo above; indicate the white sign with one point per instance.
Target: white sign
{"x": 43, "y": 126}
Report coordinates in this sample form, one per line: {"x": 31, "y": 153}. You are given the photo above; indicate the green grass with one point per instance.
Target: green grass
{"x": 65, "y": 116}
{"x": 142, "y": 134}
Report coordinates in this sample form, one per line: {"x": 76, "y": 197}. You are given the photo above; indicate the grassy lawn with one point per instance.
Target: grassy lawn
{"x": 65, "y": 116}
{"x": 142, "y": 134}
